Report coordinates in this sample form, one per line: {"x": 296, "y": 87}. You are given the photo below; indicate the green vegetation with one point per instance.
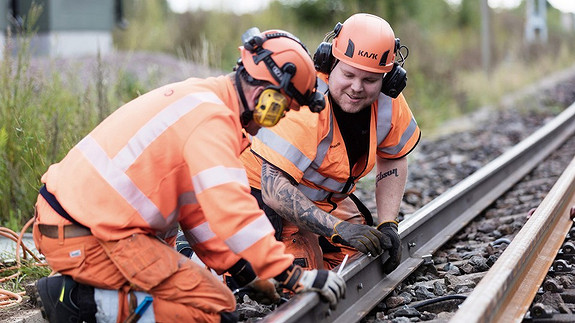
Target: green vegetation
{"x": 16, "y": 278}
{"x": 43, "y": 115}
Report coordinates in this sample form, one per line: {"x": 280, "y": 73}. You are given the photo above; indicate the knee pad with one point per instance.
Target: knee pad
{"x": 107, "y": 303}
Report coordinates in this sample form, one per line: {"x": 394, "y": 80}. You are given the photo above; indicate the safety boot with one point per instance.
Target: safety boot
{"x": 61, "y": 299}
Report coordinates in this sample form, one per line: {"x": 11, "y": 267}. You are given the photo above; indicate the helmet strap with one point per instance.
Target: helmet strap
{"x": 247, "y": 115}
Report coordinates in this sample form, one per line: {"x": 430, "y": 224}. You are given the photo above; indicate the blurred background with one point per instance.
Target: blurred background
{"x": 67, "y": 64}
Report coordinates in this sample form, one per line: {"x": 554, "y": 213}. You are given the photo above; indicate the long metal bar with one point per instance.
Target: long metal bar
{"x": 429, "y": 228}
{"x": 507, "y": 290}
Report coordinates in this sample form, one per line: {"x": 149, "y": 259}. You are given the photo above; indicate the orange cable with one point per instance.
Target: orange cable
{"x": 8, "y": 298}
{"x": 16, "y": 298}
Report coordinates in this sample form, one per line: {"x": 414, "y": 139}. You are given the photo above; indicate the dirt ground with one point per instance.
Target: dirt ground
{"x": 24, "y": 313}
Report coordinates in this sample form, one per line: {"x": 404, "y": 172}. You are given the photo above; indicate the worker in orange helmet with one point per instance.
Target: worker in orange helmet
{"x": 305, "y": 170}
{"x": 171, "y": 157}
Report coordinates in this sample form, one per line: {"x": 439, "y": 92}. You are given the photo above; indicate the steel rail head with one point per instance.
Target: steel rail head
{"x": 505, "y": 293}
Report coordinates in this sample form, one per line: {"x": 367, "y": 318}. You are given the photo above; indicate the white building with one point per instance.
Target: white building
{"x": 65, "y": 27}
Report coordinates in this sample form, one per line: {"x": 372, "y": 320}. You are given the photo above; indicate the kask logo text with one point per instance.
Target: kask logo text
{"x": 367, "y": 54}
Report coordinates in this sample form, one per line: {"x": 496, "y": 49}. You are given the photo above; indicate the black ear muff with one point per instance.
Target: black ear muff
{"x": 316, "y": 102}
{"x": 394, "y": 81}
{"x": 323, "y": 59}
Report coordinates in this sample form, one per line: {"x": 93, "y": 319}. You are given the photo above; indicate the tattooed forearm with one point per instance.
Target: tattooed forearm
{"x": 282, "y": 196}
{"x": 382, "y": 175}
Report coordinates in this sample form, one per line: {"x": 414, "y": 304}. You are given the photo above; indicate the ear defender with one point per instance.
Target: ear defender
{"x": 323, "y": 58}
{"x": 395, "y": 80}
{"x": 270, "y": 108}
{"x": 317, "y": 102}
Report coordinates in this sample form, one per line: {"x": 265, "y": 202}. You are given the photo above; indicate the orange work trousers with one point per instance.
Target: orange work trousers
{"x": 182, "y": 290}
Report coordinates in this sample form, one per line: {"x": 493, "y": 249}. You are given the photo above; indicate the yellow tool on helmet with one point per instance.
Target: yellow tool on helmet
{"x": 271, "y": 107}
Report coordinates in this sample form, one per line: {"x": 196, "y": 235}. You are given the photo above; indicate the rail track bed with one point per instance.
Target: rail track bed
{"x": 452, "y": 245}
{"x": 467, "y": 201}
{"x": 437, "y": 288}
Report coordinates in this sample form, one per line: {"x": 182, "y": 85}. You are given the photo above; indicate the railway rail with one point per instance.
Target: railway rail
{"x": 432, "y": 226}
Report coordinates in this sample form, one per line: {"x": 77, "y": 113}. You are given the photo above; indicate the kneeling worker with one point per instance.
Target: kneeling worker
{"x": 171, "y": 157}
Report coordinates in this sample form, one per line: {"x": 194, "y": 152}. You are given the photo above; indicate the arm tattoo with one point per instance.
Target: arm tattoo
{"x": 291, "y": 204}
{"x": 383, "y": 175}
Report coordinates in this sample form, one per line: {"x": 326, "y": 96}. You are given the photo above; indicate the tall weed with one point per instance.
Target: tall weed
{"x": 20, "y": 135}
{"x": 43, "y": 114}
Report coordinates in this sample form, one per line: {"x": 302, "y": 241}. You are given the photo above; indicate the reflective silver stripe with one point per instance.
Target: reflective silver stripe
{"x": 107, "y": 301}
{"x": 250, "y": 234}
{"x": 331, "y": 184}
{"x": 172, "y": 231}
{"x": 317, "y": 194}
{"x": 186, "y": 198}
{"x": 158, "y": 124}
{"x": 116, "y": 177}
{"x": 384, "y": 112}
{"x": 323, "y": 145}
{"x": 311, "y": 174}
{"x": 407, "y": 134}
{"x": 199, "y": 234}
{"x": 219, "y": 175}
{"x": 313, "y": 194}
{"x": 113, "y": 170}
{"x": 322, "y": 86}
{"x": 284, "y": 148}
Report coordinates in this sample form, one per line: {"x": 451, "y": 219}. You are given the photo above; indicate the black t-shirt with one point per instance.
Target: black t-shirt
{"x": 354, "y": 128}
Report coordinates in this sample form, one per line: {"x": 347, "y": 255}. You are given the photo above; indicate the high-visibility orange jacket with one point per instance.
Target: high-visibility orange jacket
{"x": 309, "y": 147}
{"x": 171, "y": 156}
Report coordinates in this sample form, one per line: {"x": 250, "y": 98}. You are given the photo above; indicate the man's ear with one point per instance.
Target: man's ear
{"x": 255, "y": 93}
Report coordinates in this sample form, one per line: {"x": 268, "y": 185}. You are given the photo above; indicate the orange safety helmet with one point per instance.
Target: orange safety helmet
{"x": 278, "y": 57}
{"x": 366, "y": 42}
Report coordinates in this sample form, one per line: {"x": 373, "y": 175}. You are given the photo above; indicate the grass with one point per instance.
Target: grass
{"x": 483, "y": 89}
{"x": 15, "y": 278}
{"x": 42, "y": 115}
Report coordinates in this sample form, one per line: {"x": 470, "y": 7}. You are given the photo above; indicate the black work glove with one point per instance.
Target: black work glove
{"x": 362, "y": 237}
{"x": 390, "y": 242}
{"x": 183, "y": 246}
{"x": 262, "y": 291}
{"x": 327, "y": 283}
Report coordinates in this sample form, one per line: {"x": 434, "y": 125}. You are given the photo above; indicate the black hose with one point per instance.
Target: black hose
{"x": 439, "y": 299}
